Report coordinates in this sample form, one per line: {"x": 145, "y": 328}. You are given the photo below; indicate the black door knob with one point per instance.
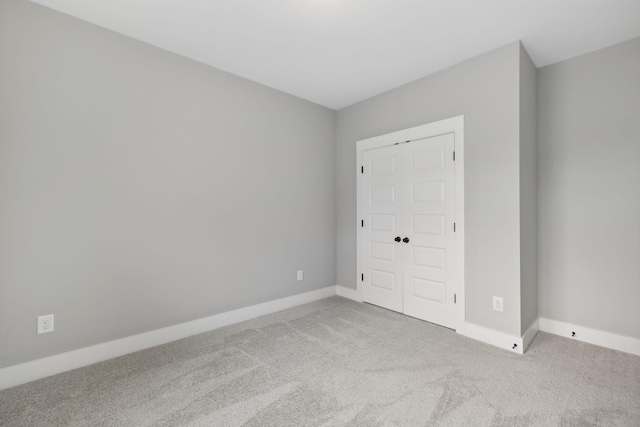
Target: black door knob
{"x": 406, "y": 240}
{"x": 397, "y": 239}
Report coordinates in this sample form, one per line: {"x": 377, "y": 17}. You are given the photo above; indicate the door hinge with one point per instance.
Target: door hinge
{"x": 454, "y": 227}
{"x": 362, "y": 223}
{"x": 454, "y": 156}
{"x": 455, "y": 299}
{"x": 361, "y": 169}
{"x": 362, "y": 277}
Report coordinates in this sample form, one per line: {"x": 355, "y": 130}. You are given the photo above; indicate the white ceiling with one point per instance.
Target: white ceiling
{"x": 339, "y": 52}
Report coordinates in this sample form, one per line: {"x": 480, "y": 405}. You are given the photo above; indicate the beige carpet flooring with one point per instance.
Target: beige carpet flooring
{"x": 338, "y": 363}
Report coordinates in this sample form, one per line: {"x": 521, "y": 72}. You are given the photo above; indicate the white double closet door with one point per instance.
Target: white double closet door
{"x": 408, "y": 240}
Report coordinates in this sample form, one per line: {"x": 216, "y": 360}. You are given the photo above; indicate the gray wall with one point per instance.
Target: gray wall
{"x": 486, "y": 90}
{"x": 589, "y": 190}
{"x": 139, "y": 189}
{"x": 528, "y": 192}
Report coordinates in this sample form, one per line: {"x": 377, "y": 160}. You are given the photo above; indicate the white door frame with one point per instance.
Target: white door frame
{"x": 453, "y": 125}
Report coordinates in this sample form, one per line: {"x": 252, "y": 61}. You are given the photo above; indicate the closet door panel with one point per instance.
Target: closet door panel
{"x": 428, "y": 215}
{"x": 382, "y": 257}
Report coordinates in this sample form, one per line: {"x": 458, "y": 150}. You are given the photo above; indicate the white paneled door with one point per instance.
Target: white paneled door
{"x": 382, "y": 248}
{"x": 408, "y": 240}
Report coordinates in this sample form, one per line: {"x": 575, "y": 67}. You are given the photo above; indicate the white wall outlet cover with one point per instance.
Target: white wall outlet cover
{"x": 299, "y": 276}
{"x": 498, "y": 304}
{"x": 45, "y": 324}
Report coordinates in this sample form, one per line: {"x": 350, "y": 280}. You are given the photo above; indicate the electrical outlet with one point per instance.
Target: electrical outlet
{"x": 498, "y": 304}
{"x": 45, "y": 324}
{"x": 299, "y": 275}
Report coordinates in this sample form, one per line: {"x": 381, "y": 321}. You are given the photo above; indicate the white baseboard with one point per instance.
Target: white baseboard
{"x": 347, "y": 293}
{"x": 491, "y": 336}
{"x": 30, "y": 371}
{"x": 591, "y": 336}
{"x": 530, "y": 334}
{"x": 45, "y": 367}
